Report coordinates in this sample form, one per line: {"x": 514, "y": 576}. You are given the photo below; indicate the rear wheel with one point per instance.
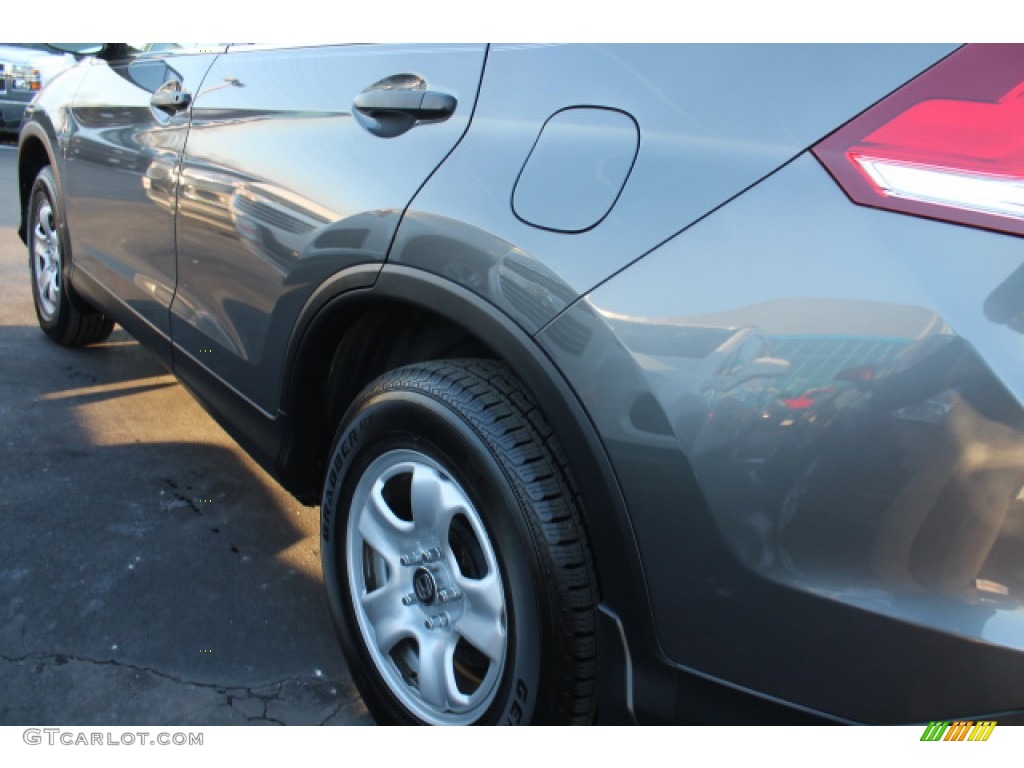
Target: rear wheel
{"x": 59, "y": 316}
{"x": 454, "y": 553}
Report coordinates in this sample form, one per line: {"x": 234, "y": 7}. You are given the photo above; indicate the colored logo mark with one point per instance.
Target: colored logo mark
{"x": 943, "y": 730}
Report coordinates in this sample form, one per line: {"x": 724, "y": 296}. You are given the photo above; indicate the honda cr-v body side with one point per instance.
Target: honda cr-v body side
{"x": 640, "y": 383}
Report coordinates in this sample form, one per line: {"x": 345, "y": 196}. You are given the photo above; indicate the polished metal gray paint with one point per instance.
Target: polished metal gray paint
{"x": 713, "y": 119}
{"x": 771, "y": 549}
{"x": 121, "y": 165}
{"x": 281, "y": 188}
{"x": 48, "y": 124}
{"x": 858, "y": 553}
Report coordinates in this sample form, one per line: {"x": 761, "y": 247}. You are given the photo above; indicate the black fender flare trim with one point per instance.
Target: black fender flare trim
{"x": 36, "y": 131}
{"x": 613, "y": 543}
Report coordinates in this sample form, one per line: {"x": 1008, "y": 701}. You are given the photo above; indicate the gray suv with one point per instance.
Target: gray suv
{"x": 635, "y": 383}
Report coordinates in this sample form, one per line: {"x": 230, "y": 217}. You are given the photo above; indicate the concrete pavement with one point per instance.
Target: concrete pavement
{"x": 150, "y": 572}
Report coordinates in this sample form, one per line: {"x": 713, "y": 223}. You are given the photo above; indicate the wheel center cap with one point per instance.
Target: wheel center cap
{"x": 425, "y": 585}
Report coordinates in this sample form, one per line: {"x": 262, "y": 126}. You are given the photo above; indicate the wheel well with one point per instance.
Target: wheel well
{"x": 32, "y": 157}
{"x": 406, "y": 315}
{"x": 343, "y": 354}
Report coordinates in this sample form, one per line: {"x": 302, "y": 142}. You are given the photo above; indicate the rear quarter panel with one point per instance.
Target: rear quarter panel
{"x": 848, "y": 542}
{"x": 712, "y": 120}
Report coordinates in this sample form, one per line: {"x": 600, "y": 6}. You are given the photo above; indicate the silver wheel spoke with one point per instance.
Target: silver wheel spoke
{"x": 381, "y": 529}
{"x": 391, "y": 620}
{"x": 389, "y": 633}
{"x": 486, "y": 635}
{"x": 437, "y": 671}
{"x": 41, "y": 279}
{"x": 483, "y": 622}
{"x": 435, "y": 501}
{"x": 46, "y": 221}
{"x": 42, "y": 231}
{"x": 46, "y": 260}
{"x": 40, "y": 249}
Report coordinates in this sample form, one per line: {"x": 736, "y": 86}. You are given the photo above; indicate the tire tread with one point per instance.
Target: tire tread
{"x": 490, "y": 398}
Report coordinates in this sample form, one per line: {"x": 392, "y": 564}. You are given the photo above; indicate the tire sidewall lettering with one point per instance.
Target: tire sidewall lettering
{"x": 341, "y": 454}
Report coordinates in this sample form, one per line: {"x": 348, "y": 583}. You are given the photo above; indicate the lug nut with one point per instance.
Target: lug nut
{"x": 431, "y": 555}
{"x": 448, "y": 594}
{"x": 414, "y": 559}
{"x": 408, "y": 599}
{"x": 436, "y": 622}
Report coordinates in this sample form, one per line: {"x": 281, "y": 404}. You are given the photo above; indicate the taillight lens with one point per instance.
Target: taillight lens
{"x": 949, "y": 145}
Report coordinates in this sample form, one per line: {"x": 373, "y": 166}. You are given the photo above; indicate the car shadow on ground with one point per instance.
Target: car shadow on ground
{"x": 150, "y": 572}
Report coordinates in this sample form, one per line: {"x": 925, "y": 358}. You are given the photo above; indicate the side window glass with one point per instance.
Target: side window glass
{"x": 150, "y": 74}
{"x": 144, "y": 50}
{"x": 145, "y": 64}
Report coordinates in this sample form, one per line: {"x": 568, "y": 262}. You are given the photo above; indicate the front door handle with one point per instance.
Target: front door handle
{"x": 419, "y": 105}
{"x": 170, "y": 98}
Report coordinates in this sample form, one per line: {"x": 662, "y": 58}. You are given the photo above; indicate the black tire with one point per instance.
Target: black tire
{"x": 61, "y": 316}
{"x": 434, "y": 431}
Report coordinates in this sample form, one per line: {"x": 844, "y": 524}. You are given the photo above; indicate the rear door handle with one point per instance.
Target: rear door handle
{"x": 170, "y": 98}
{"x": 419, "y": 105}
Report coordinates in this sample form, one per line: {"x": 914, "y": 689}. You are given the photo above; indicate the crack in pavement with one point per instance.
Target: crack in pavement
{"x": 337, "y": 709}
{"x": 63, "y": 658}
{"x": 253, "y": 702}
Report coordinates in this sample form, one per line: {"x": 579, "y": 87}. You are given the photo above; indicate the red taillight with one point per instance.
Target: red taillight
{"x": 949, "y": 145}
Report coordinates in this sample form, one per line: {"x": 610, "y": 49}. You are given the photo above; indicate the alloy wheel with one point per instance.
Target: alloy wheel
{"x": 47, "y": 260}
{"x": 426, "y": 588}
